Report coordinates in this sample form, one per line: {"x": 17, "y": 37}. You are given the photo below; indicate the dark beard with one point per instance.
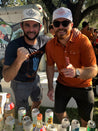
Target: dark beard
{"x": 63, "y": 36}
{"x": 29, "y": 37}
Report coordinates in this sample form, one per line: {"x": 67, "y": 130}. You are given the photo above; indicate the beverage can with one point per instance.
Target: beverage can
{"x": 28, "y": 126}
{"x": 34, "y": 114}
{"x": 61, "y": 128}
{"x": 65, "y": 124}
{"x": 21, "y": 114}
{"x": 75, "y": 125}
{"x": 49, "y": 116}
{"x": 25, "y": 119}
{"x": 91, "y": 125}
{"x": 51, "y": 127}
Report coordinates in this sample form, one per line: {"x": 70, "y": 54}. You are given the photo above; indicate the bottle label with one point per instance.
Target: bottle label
{"x": 9, "y": 106}
{"x": 90, "y": 129}
{"x": 12, "y": 105}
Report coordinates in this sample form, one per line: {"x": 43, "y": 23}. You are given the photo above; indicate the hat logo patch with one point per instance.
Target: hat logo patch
{"x": 31, "y": 13}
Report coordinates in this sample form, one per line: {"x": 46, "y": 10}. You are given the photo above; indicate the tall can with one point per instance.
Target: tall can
{"x": 91, "y": 126}
{"x": 65, "y": 124}
{"x": 75, "y": 125}
{"x": 34, "y": 113}
{"x": 49, "y": 117}
{"x": 21, "y": 114}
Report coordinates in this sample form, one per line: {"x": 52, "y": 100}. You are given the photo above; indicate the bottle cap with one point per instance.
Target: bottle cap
{"x": 8, "y": 95}
{"x": 39, "y": 116}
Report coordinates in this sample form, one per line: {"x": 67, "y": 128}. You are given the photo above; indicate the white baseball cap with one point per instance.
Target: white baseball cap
{"x": 31, "y": 15}
{"x": 62, "y": 12}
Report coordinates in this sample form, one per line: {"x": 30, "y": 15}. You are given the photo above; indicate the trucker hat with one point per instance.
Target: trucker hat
{"x": 31, "y": 15}
{"x": 62, "y": 12}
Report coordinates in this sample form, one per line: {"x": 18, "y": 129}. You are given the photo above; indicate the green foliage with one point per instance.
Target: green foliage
{"x": 93, "y": 16}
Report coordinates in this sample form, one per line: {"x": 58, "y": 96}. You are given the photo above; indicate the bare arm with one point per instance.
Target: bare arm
{"x": 50, "y": 75}
{"x": 10, "y": 72}
{"x": 88, "y": 72}
{"x": 85, "y": 73}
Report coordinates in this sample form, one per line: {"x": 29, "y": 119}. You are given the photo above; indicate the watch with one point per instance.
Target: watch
{"x": 77, "y": 73}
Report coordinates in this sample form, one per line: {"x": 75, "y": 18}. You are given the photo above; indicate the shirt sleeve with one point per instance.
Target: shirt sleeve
{"x": 49, "y": 53}
{"x": 87, "y": 53}
{"x": 10, "y": 54}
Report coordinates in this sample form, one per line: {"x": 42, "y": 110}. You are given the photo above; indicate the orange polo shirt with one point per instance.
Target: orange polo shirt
{"x": 81, "y": 54}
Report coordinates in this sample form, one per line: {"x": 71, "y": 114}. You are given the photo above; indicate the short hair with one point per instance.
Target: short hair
{"x": 50, "y": 26}
{"x": 84, "y": 24}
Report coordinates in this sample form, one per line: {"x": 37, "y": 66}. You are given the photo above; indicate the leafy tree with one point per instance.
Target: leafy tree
{"x": 80, "y": 8}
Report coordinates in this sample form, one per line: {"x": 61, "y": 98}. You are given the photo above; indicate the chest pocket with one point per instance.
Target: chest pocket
{"x": 72, "y": 52}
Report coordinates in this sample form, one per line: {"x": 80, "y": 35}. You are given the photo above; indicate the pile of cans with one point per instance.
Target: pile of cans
{"x": 29, "y": 123}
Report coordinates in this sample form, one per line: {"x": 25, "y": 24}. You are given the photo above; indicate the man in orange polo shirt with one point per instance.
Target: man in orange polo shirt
{"x": 76, "y": 63}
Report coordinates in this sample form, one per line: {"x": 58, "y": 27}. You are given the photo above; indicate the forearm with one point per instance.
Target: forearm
{"x": 88, "y": 72}
{"x": 10, "y": 72}
{"x": 50, "y": 75}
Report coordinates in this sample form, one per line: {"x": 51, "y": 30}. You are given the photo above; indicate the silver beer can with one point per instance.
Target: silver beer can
{"x": 25, "y": 119}
{"x": 34, "y": 113}
{"x": 65, "y": 124}
{"x": 28, "y": 126}
{"x": 21, "y": 114}
{"x": 49, "y": 117}
{"x": 75, "y": 125}
{"x": 51, "y": 127}
{"x": 91, "y": 126}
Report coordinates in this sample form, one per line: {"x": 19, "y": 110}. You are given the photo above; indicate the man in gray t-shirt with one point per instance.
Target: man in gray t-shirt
{"x": 22, "y": 58}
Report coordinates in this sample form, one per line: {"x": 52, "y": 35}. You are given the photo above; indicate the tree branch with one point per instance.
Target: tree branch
{"x": 88, "y": 10}
{"x": 50, "y": 6}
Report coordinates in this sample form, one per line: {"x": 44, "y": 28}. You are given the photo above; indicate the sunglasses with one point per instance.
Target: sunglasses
{"x": 64, "y": 23}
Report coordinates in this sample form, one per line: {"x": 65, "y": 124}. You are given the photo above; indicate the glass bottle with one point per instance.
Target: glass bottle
{"x": 9, "y": 108}
{"x": 1, "y": 116}
{"x": 39, "y": 126}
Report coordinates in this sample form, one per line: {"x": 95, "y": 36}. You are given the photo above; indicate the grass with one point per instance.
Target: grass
{"x": 73, "y": 113}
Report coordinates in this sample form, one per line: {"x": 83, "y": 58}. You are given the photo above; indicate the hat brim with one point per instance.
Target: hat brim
{"x": 29, "y": 19}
